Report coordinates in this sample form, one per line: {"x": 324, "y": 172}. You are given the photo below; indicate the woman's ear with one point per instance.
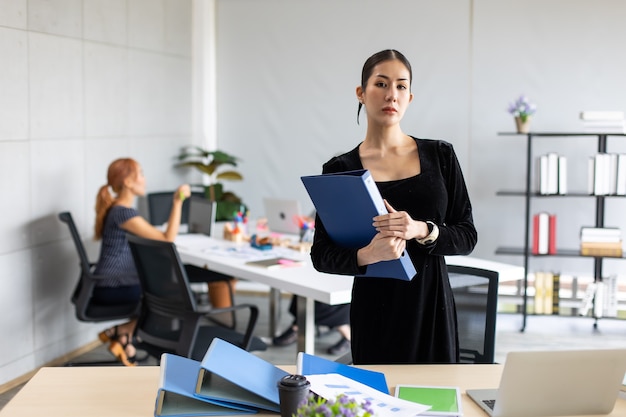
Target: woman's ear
{"x": 129, "y": 182}
{"x": 359, "y": 94}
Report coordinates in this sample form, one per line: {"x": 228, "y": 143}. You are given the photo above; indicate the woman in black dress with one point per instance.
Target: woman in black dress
{"x": 430, "y": 215}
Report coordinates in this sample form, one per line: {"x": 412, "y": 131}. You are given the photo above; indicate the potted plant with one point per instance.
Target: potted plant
{"x": 522, "y": 109}
{"x": 343, "y": 405}
{"x": 214, "y": 164}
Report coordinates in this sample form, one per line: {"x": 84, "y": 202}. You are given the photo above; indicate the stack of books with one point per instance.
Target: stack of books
{"x": 607, "y": 174}
{"x": 547, "y": 285}
{"x": 601, "y": 241}
{"x": 552, "y": 174}
{"x": 600, "y": 298}
{"x": 603, "y": 121}
{"x": 544, "y": 234}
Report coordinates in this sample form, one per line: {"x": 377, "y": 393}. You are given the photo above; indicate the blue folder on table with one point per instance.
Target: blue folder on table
{"x": 308, "y": 364}
{"x": 230, "y": 375}
{"x": 177, "y": 384}
{"x": 346, "y": 202}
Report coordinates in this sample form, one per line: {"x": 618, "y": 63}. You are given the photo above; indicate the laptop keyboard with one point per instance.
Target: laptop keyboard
{"x": 490, "y": 403}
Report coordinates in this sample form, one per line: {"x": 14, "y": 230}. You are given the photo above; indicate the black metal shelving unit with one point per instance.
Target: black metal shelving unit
{"x": 528, "y": 195}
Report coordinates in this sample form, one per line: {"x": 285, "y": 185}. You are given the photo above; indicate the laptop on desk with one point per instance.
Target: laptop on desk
{"x": 555, "y": 383}
{"x": 282, "y": 215}
{"x": 201, "y": 215}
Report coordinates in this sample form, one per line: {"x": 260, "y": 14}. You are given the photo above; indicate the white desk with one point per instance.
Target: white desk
{"x": 130, "y": 392}
{"x": 304, "y": 281}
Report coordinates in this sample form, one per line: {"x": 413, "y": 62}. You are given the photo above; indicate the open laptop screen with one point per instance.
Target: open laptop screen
{"x": 282, "y": 215}
{"x": 201, "y": 215}
{"x": 556, "y": 383}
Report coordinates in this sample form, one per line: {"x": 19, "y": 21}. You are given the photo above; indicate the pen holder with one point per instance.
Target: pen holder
{"x": 232, "y": 234}
{"x": 292, "y": 391}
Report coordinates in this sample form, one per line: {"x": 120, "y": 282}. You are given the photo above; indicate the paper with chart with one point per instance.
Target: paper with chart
{"x": 329, "y": 386}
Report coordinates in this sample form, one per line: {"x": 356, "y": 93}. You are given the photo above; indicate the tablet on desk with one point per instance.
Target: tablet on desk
{"x": 278, "y": 262}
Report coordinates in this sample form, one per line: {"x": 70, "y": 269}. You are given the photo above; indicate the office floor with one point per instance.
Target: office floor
{"x": 542, "y": 333}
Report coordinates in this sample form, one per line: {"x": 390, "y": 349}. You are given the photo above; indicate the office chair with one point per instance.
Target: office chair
{"x": 170, "y": 320}
{"x": 159, "y": 208}
{"x": 476, "y": 298}
{"x": 85, "y": 309}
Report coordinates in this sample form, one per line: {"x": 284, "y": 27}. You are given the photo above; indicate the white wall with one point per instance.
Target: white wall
{"x": 287, "y": 72}
{"x": 85, "y": 81}
{"x": 82, "y": 82}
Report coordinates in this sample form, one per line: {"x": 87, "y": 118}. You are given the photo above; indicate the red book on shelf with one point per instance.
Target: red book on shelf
{"x": 552, "y": 234}
{"x": 535, "y": 246}
{"x": 541, "y": 229}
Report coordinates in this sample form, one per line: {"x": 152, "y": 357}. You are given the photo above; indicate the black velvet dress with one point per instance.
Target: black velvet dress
{"x": 396, "y": 321}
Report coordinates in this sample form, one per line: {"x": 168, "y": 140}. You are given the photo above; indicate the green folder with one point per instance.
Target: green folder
{"x": 444, "y": 401}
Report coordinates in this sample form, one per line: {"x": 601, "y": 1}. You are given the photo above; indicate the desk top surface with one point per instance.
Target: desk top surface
{"x": 230, "y": 258}
{"x": 110, "y": 391}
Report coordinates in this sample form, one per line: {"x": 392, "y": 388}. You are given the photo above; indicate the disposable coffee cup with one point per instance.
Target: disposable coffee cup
{"x": 292, "y": 390}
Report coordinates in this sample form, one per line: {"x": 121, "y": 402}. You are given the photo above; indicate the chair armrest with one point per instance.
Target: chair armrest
{"x": 254, "y": 314}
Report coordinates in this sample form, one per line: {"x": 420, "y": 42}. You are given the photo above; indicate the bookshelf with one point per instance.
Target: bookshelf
{"x": 528, "y": 194}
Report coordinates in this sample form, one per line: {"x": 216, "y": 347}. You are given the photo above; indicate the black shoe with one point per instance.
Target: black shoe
{"x": 339, "y": 348}
{"x": 289, "y": 337}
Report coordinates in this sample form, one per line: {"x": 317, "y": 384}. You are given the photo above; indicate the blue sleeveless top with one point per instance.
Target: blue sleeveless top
{"x": 115, "y": 261}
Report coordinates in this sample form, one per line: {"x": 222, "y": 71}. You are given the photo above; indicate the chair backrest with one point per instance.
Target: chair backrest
{"x": 66, "y": 217}
{"x": 169, "y": 321}
{"x": 160, "y": 206}
{"x": 476, "y": 298}
{"x": 168, "y": 317}
{"x": 85, "y": 308}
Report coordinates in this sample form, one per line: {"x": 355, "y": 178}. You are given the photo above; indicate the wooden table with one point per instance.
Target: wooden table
{"x": 121, "y": 391}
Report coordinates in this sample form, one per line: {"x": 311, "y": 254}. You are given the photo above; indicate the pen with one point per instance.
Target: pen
{"x": 182, "y": 195}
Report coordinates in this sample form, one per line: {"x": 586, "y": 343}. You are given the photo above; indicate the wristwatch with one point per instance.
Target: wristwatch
{"x": 433, "y": 234}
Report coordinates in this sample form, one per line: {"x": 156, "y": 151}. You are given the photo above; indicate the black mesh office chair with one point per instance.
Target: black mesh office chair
{"x": 170, "y": 320}
{"x": 159, "y": 208}
{"x": 85, "y": 308}
{"x": 476, "y": 297}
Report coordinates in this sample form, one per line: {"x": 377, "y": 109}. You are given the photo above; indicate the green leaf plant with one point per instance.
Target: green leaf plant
{"x": 216, "y": 165}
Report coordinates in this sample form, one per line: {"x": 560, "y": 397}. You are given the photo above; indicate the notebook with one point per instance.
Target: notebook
{"x": 555, "y": 383}
{"x": 201, "y": 215}
{"x": 282, "y": 215}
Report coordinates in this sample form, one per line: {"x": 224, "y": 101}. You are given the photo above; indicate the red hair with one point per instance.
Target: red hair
{"x": 118, "y": 172}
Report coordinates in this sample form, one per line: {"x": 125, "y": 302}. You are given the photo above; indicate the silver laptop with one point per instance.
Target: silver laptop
{"x": 555, "y": 383}
{"x": 201, "y": 215}
{"x": 282, "y": 215}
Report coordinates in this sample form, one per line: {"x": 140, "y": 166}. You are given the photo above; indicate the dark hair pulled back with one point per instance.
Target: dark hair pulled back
{"x": 377, "y": 58}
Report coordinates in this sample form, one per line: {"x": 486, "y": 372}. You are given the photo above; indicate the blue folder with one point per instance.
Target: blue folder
{"x": 347, "y": 202}
{"x": 314, "y": 365}
{"x": 177, "y": 384}
{"x": 231, "y": 375}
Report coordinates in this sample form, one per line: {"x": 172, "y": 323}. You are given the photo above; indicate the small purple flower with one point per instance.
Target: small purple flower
{"x": 341, "y": 406}
{"x": 522, "y": 108}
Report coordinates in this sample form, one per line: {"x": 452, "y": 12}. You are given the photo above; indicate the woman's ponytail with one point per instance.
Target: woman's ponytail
{"x": 104, "y": 201}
